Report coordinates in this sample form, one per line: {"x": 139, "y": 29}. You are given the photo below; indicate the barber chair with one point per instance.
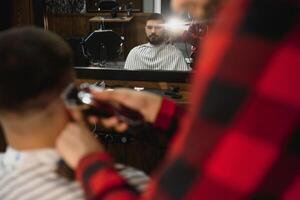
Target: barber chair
{"x": 102, "y": 46}
{"x": 79, "y": 58}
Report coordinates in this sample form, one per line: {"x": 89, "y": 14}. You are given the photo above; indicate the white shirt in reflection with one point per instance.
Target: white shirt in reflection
{"x": 156, "y": 57}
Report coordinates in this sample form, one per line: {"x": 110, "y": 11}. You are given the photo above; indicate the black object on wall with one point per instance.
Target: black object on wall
{"x": 100, "y": 5}
{"x": 39, "y": 8}
{"x": 92, "y": 5}
{"x": 165, "y": 7}
{"x": 5, "y": 14}
{"x": 108, "y": 4}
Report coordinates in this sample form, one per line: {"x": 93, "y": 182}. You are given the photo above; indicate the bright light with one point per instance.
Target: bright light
{"x": 176, "y": 25}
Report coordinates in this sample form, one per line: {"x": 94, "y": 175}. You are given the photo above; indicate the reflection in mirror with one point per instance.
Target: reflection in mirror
{"x": 169, "y": 47}
{"x": 148, "y": 41}
{"x": 158, "y": 53}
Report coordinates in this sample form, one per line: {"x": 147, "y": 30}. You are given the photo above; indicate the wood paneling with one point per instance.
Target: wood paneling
{"x": 69, "y": 25}
{"x": 77, "y": 25}
{"x": 2, "y": 140}
{"x": 136, "y": 32}
{"x": 22, "y": 12}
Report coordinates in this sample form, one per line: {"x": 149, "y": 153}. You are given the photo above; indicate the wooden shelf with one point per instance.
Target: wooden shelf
{"x": 108, "y": 19}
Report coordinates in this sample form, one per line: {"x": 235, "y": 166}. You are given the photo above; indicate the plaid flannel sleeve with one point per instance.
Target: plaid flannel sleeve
{"x": 100, "y": 181}
{"x": 96, "y": 167}
{"x": 168, "y": 118}
{"x": 240, "y": 137}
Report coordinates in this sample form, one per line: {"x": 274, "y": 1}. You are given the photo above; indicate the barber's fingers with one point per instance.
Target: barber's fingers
{"x": 110, "y": 123}
{"x": 119, "y": 95}
{"x": 114, "y": 123}
{"x": 103, "y": 95}
{"x": 148, "y": 104}
{"x": 77, "y": 116}
{"x": 121, "y": 127}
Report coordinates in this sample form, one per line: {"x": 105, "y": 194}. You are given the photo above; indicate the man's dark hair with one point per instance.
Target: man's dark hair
{"x": 156, "y": 16}
{"x": 35, "y": 65}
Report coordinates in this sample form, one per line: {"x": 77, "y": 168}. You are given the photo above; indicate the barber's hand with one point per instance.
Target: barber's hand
{"x": 146, "y": 103}
{"x": 194, "y": 7}
{"x": 76, "y": 141}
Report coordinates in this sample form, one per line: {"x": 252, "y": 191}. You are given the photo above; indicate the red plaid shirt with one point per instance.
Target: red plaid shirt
{"x": 240, "y": 138}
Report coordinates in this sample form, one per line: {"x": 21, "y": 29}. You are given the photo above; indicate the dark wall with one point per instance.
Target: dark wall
{"x": 2, "y": 140}
{"x": 38, "y": 12}
{"x": 5, "y": 23}
{"x": 5, "y": 14}
{"x": 137, "y": 4}
{"x": 165, "y": 7}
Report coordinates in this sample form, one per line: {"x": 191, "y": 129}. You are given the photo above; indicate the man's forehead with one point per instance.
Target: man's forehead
{"x": 154, "y": 22}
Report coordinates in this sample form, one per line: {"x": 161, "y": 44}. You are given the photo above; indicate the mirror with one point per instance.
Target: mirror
{"x": 96, "y": 73}
{"x": 80, "y": 20}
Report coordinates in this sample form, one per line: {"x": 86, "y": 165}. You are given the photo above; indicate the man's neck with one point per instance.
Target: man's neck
{"x": 36, "y": 130}
{"x": 156, "y": 45}
{"x": 36, "y": 138}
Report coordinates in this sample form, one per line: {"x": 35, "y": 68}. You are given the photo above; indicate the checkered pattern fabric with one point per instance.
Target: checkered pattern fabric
{"x": 240, "y": 138}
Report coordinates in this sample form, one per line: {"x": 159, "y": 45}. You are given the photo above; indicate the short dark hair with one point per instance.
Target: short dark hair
{"x": 156, "y": 16}
{"x": 33, "y": 63}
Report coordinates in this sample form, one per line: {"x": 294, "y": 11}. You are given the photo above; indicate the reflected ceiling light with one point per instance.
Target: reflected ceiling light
{"x": 176, "y": 25}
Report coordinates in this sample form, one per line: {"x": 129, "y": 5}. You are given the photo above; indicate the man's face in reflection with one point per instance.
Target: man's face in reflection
{"x": 155, "y": 32}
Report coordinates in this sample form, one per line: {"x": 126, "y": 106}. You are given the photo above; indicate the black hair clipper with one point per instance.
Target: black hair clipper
{"x": 83, "y": 99}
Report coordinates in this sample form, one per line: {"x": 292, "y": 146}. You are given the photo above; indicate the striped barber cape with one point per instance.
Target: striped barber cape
{"x": 156, "y": 57}
{"x": 31, "y": 175}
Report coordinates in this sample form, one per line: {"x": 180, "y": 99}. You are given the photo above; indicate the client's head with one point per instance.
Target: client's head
{"x": 155, "y": 30}
{"x": 35, "y": 67}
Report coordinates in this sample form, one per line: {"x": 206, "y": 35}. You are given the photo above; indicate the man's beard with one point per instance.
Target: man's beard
{"x": 155, "y": 39}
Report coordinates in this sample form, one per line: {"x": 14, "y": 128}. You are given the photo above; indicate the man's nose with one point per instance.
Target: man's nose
{"x": 153, "y": 30}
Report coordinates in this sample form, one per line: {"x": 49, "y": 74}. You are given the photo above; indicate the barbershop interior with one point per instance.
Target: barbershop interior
{"x": 151, "y": 99}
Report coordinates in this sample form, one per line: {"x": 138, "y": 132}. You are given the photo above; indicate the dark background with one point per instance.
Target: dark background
{"x": 165, "y": 7}
{"x": 5, "y": 14}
